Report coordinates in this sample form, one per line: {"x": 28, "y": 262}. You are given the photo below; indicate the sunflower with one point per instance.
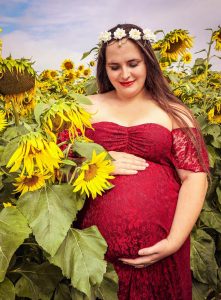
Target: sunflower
{"x": 53, "y": 74}
{"x": 164, "y": 65}
{"x": 77, "y": 74}
{"x": 86, "y": 72}
{"x": 24, "y": 103}
{"x": 217, "y": 38}
{"x": 30, "y": 183}
{"x": 35, "y": 151}
{"x": 45, "y": 75}
{"x": 28, "y": 105}
{"x": 81, "y": 68}
{"x": 3, "y": 122}
{"x": 214, "y": 115}
{"x": 175, "y": 43}
{"x": 67, "y": 65}
{"x": 69, "y": 76}
{"x": 187, "y": 57}
{"x": 94, "y": 175}
{"x": 66, "y": 115}
{"x": 178, "y": 92}
{"x": 92, "y": 63}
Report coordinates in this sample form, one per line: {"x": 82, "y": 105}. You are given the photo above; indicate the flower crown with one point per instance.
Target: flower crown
{"x": 134, "y": 34}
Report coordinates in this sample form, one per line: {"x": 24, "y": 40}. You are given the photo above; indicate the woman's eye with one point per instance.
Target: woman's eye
{"x": 133, "y": 66}
{"x": 114, "y": 68}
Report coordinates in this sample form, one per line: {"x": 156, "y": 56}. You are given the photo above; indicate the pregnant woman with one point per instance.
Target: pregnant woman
{"x": 161, "y": 168}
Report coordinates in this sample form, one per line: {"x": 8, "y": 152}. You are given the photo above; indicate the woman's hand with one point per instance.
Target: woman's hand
{"x": 152, "y": 254}
{"x": 127, "y": 164}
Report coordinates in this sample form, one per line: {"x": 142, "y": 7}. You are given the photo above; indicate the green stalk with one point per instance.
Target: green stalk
{"x": 206, "y": 72}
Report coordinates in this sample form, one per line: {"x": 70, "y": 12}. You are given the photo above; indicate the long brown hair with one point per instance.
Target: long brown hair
{"x": 158, "y": 87}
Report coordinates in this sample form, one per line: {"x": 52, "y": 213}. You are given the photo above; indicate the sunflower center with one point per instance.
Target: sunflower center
{"x": 68, "y": 65}
{"x": 175, "y": 46}
{"x": 91, "y": 172}
{"x": 31, "y": 181}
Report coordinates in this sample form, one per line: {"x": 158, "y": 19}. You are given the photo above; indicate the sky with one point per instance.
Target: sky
{"x": 49, "y": 31}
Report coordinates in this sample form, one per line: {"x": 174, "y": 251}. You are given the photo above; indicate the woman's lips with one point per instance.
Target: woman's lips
{"x": 128, "y": 83}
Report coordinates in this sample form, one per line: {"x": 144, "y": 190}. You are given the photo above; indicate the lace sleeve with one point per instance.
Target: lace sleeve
{"x": 184, "y": 153}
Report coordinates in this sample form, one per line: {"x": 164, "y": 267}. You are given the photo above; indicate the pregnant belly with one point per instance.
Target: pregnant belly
{"x": 137, "y": 212}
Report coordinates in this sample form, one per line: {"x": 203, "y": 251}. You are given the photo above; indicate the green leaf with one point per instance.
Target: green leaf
{"x": 211, "y": 218}
{"x": 8, "y": 151}
{"x": 81, "y": 258}
{"x": 50, "y": 212}
{"x": 81, "y": 99}
{"x": 203, "y": 263}
{"x": 86, "y": 149}
{"x": 62, "y": 292}
{"x": 213, "y": 156}
{"x": 77, "y": 295}
{"x": 13, "y": 132}
{"x": 218, "y": 192}
{"x": 213, "y": 130}
{"x": 7, "y": 290}
{"x": 13, "y": 231}
{"x": 109, "y": 286}
{"x": 199, "y": 290}
{"x": 68, "y": 162}
{"x": 39, "y": 110}
{"x": 85, "y": 54}
{"x": 91, "y": 86}
{"x": 26, "y": 288}
{"x": 32, "y": 283}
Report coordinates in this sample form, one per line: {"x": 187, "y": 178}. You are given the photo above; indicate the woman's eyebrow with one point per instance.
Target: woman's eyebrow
{"x": 131, "y": 60}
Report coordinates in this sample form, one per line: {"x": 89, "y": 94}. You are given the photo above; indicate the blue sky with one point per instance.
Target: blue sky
{"x": 49, "y": 31}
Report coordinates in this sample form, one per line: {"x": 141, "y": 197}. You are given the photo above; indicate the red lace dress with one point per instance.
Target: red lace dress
{"x": 139, "y": 210}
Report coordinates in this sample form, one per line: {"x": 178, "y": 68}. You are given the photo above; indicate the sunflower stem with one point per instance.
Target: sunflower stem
{"x": 15, "y": 113}
{"x": 73, "y": 175}
{"x": 206, "y": 72}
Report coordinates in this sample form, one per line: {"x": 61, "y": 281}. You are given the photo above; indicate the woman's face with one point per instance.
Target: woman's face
{"x": 126, "y": 68}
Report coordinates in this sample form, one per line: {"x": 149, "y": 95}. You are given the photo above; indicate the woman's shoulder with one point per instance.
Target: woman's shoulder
{"x": 184, "y": 112}
{"x": 96, "y": 102}
{"x": 96, "y": 99}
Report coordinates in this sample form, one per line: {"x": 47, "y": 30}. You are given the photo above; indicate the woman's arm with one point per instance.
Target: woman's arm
{"x": 190, "y": 202}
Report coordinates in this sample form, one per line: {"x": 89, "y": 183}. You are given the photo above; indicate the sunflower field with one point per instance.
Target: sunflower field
{"x": 48, "y": 169}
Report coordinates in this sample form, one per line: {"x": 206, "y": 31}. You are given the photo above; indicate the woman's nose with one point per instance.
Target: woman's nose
{"x": 125, "y": 74}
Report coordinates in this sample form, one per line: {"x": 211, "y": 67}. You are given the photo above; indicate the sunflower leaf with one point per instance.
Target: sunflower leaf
{"x": 9, "y": 149}
{"x": 7, "y": 290}
{"x": 40, "y": 109}
{"x": 81, "y": 258}
{"x": 13, "y": 231}
{"x": 81, "y": 99}
{"x": 85, "y": 54}
{"x": 211, "y": 218}
{"x": 203, "y": 262}
{"x": 109, "y": 286}
{"x": 50, "y": 212}
{"x": 86, "y": 149}
{"x": 199, "y": 290}
{"x": 32, "y": 283}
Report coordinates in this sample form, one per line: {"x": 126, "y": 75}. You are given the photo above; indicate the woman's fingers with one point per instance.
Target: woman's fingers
{"x": 127, "y": 164}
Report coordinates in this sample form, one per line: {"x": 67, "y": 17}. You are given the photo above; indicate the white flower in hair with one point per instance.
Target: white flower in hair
{"x": 105, "y": 36}
{"x": 135, "y": 34}
{"x": 149, "y": 35}
{"x": 119, "y": 33}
